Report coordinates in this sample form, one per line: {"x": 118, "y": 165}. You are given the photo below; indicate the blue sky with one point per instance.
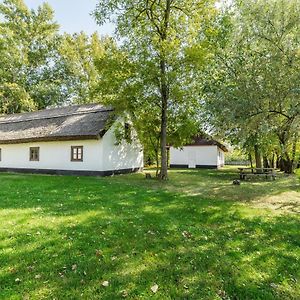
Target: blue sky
{"x": 74, "y": 15}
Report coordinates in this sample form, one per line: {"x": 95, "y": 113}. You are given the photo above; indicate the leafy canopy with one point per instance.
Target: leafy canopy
{"x": 157, "y": 81}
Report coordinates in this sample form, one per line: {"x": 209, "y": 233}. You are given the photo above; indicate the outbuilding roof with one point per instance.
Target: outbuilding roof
{"x": 200, "y": 141}
{"x": 67, "y": 123}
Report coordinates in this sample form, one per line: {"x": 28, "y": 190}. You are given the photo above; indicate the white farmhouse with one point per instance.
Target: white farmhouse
{"x": 77, "y": 140}
{"x": 201, "y": 153}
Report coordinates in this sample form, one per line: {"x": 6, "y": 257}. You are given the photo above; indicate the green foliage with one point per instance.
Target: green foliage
{"x": 14, "y": 98}
{"x": 29, "y": 75}
{"x": 157, "y": 81}
{"x": 253, "y": 94}
{"x": 40, "y": 67}
{"x": 79, "y": 54}
{"x": 236, "y": 155}
{"x": 123, "y": 131}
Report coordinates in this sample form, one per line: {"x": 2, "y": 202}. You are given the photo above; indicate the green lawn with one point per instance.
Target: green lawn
{"x": 196, "y": 236}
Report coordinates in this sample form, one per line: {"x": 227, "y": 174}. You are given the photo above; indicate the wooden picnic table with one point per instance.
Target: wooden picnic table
{"x": 249, "y": 172}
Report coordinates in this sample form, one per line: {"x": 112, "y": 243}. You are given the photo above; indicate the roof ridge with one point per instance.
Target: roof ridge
{"x": 58, "y": 115}
{"x": 54, "y": 108}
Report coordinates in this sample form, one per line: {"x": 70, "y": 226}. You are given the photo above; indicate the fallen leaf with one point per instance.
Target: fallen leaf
{"x": 154, "y": 288}
{"x": 105, "y": 283}
{"x": 18, "y": 280}
{"x": 74, "y": 267}
{"x": 30, "y": 268}
{"x": 186, "y": 234}
{"x": 274, "y": 285}
{"x": 38, "y": 276}
{"x": 222, "y": 294}
{"x": 12, "y": 270}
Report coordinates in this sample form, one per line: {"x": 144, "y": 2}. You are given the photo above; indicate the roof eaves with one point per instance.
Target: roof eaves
{"x": 51, "y": 139}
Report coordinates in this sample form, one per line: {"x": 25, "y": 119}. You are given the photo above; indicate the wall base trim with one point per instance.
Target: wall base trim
{"x": 197, "y": 166}
{"x": 179, "y": 166}
{"x": 69, "y": 172}
{"x": 206, "y": 167}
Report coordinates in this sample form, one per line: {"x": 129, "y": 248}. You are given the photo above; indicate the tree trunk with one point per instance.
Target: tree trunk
{"x": 163, "y": 134}
{"x": 164, "y": 90}
{"x": 280, "y": 164}
{"x": 272, "y": 161}
{"x": 266, "y": 162}
{"x": 257, "y": 157}
{"x": 277, "y": 163}
{"x": 250, "y": 159}
{"x": 287, "y": 166}
{"x": 149, "y": 161}
{"x": 289, "y": 162}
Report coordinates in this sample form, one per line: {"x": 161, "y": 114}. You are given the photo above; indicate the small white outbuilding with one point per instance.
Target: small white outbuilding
{"x": 201, "y": 153}
{"x": 77, "y": 140}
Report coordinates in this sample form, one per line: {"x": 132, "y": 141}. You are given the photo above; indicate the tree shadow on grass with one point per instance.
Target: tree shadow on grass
{"x": 64, "y": 246}
{"x": 206, "y": 184}
{"x": 217, "y": 185}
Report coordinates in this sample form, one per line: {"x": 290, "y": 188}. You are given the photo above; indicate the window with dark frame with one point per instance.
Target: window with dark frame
{"x": 76, "y": 153}
{"x": 34, "y": 153}
{"x": 127, "y": 129}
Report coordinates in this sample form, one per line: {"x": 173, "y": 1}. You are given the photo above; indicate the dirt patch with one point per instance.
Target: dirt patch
{"x": 285, "y": 202}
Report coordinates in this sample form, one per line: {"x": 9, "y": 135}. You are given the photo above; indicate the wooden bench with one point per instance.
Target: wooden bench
{"x": 252, "y": 172}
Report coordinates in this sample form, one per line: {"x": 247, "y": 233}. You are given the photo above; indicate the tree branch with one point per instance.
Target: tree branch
{"x": 186, "y": 12}
{"x": 271, "y": 111}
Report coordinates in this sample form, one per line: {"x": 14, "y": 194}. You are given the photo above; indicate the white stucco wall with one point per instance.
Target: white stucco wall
{"x": 197, "y": 155}
{"x": 121, "y": 156}
{"x": 53, "y": 155}
{"x": 98, "y": 155}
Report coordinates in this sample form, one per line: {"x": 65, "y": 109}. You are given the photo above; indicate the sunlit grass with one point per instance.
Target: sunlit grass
{"x": 196, "y": 236}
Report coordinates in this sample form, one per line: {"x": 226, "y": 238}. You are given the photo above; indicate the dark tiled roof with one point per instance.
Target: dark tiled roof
{"x": 200, "y": 141}
{"x": 67, "y": 123}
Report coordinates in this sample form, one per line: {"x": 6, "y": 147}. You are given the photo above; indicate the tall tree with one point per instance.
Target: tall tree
{"x": 254, "y": 92}
{"x": 30, "y": 77}
{"x": 79, "y": 54}
{"x": 160, "y": 38}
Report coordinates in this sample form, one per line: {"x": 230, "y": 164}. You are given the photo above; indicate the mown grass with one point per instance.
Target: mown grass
{"x": 196, "y": 236}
